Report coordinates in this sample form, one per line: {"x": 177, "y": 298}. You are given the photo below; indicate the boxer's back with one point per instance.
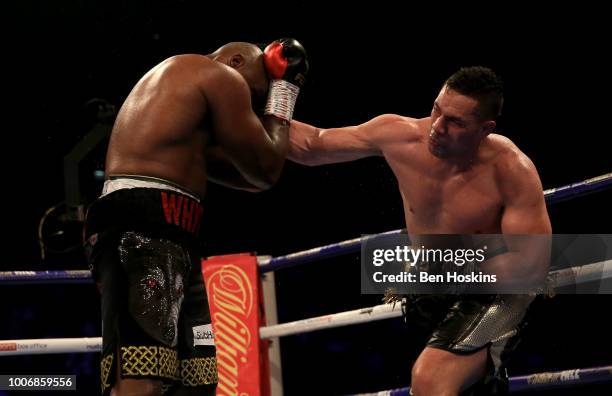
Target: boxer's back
{"x": 161, "y": 130}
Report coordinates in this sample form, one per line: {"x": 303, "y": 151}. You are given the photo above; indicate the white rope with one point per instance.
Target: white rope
{"x": 565, "y": 277}
{"x": 582, "y": 274}
{"x": 379, "y": 312}
{"x": 50, "y": 345}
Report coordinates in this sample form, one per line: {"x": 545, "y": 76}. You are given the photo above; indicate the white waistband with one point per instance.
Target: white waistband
{"x": 121, "y": 183}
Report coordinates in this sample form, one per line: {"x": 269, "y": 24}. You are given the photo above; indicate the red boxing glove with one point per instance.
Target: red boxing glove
{"x": 286, "y": 59}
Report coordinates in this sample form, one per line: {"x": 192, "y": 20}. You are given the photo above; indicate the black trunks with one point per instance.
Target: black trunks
{"x": 142, "y": 250}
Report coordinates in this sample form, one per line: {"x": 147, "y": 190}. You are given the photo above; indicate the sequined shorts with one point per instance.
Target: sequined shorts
{"x": 155, "y": 318}
{"x": 474, "y": 322}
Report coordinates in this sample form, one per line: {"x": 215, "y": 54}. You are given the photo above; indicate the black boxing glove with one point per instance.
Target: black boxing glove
{"x": 287, "y": 66}
{"x": 286, "y": 59}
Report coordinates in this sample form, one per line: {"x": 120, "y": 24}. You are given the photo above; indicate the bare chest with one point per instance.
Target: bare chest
{"x": 436, "y": 201}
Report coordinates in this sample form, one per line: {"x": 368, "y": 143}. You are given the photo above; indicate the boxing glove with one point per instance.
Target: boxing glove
{"x": 287, "y": 66}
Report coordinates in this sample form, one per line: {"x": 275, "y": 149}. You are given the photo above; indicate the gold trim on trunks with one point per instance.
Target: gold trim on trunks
{"x": 149, "y": 361}
{"x": 158, "y": 361}
{"x": 105, "y": 367}
{"x": 199, "y": 371}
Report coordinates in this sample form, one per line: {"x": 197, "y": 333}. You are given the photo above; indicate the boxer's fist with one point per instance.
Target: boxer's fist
{"x": 286, "y": 59}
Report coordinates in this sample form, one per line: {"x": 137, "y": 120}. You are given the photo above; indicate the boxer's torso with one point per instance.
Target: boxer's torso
{"x": 439, "y": 198}
{"x": 161, "y": 129}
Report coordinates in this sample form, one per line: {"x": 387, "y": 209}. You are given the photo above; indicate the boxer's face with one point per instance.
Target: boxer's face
{"x": 456, "y": 128}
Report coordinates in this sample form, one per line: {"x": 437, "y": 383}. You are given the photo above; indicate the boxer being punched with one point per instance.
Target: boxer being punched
{"x": 222, "y": 117}
{"x": 455, "y": 177}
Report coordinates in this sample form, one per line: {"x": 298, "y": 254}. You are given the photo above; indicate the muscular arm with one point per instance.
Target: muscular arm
{"x": 528, "y": 259}
{"x": 257, "y": 148}
{"x": 221, "y": 170}
{"x": 314, "y": 146}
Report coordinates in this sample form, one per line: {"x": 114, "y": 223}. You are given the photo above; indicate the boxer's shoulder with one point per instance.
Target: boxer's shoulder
{"x": 515, "y": 172}
{"x": 393, "y": 128}
{"x": 504, "y": 153}
{"x": 398, "y": 122}
{"x": 195, "y": 67}
{"x": 188, "y": 60}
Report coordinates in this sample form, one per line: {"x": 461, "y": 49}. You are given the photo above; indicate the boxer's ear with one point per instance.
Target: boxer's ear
{"x": 487, "y": 127}
{"x": 236, "y": 61}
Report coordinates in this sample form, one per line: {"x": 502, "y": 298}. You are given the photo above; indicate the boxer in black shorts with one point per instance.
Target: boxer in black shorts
{"x": 142, "y": 237}
{"x": 222, "y": 117}
{"x": 456, "y": 175}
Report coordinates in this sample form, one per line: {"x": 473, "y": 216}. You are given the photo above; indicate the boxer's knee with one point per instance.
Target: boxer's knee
{"x": 430, "y": 378}
{"x": 425, "y": 382}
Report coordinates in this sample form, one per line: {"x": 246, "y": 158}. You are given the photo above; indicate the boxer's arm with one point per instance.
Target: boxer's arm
{"x": 524, "y": 213}
{"x": 256, "y": 147}
{"x": 221, "y": 170}
{"x": 315, "y": 146}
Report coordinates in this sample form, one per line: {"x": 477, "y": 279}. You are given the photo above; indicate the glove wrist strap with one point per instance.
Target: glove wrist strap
{"x": 281, "y": 99}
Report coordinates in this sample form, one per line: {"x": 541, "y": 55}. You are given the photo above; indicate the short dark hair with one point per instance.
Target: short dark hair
{"x": 482, "y": 84}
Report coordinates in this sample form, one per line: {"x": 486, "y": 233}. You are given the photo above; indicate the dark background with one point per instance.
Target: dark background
{"x": 368, "y": 60}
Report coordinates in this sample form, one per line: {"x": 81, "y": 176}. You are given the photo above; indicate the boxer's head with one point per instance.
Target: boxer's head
{"x": 465, "y": 112}
{"x": 247, "y": 59}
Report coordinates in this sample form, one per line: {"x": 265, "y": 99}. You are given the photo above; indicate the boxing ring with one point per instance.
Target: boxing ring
{"x": 539, "y": 381}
